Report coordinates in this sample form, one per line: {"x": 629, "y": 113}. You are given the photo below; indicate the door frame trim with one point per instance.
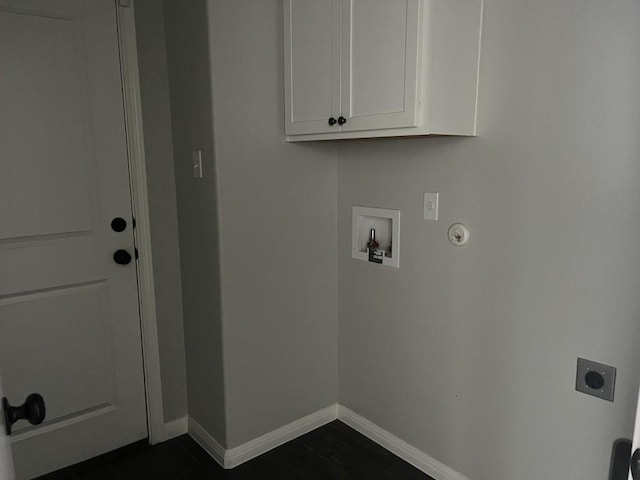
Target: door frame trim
{"x": 140, "y": 206}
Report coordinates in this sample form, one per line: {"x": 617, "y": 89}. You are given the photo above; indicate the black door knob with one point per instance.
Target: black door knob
{"x": 635, "y": 464}
{"x": 332, "y": 121}
{"x": 342, "y": 120}
{"x": 32, "y": 410}
{"x": 122, "y": 257}
{"x": 118, "y": 224}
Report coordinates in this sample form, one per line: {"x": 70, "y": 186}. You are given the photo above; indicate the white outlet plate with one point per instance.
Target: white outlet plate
{"x": 431, "y": 205}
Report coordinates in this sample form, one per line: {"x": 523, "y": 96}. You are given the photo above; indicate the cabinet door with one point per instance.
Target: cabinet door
{"x": 312, "y": 65}
{"x": 380, "y": 47}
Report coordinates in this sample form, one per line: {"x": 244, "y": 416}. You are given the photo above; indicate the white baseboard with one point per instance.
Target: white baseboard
{"x": 409, "y": 453}
{"x": 206, "y": 441}
{"x": 235, "y": 456}
{"x": 176, "y": 427}
{"x": 271, "y": 440}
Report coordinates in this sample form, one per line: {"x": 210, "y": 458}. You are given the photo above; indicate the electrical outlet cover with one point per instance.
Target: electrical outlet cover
{"x": 596, "y": 379}
{"x": 431, "y": 205}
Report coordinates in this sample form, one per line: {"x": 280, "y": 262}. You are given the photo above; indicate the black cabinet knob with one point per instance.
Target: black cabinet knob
{"x": 342, "y": 120}
{"x": 332, "y": 121}
{"x": 32, "y": 410}
{"x": 118, "y": 224}
{"x": 122, "y": 257}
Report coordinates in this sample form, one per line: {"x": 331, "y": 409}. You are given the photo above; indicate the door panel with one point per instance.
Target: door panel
{"x": 380, "y": 63}
{"x": 80, "y": 312}
{"x": 47, "y": 180}
{"x": 69, "y": 325}
{"x": 312, "y": 65}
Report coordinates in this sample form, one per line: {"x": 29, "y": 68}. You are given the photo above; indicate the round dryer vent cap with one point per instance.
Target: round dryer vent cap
{"x": 458, "y": 234}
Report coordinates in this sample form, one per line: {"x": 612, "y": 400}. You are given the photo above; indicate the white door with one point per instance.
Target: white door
{"x": 69, "y": 324}
{"x": 634, "y": 471}
{"x": 312, "y": 66}
{"x": 380, "y": 63}
{"x": 6, "y": 461}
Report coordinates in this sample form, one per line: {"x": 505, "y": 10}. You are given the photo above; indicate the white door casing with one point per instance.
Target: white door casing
{"x": 6, "y": 460}
{"x": 140, "y": 203}
{"x": 636, "y": 439}
{"x": 69, "y": 325}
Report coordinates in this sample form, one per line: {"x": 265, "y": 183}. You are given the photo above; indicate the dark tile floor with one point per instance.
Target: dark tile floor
{"x": 334, "y": 451}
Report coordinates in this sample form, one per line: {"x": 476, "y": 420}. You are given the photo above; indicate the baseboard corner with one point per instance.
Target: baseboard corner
{"x": 230, "y": 458}
{"x": 247, "y": 451}
{"x": 207, "y": 442}
{"x": 177, "y": 427}
{"x": 409, "y": 453}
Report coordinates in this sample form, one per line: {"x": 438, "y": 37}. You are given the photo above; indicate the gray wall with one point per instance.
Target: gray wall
{"x": 470, "y": 353}
{"x": 278, "y": 232}
{"x": 191, "y": 114}
{"x": 467, "y": 353}
{"x": 162, "y": 204}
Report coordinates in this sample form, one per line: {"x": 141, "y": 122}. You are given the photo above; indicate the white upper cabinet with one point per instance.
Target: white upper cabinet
{"x": 380, "y": 63}
{"x": 376, "y": 68}
{"x": 312, "y": 65}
